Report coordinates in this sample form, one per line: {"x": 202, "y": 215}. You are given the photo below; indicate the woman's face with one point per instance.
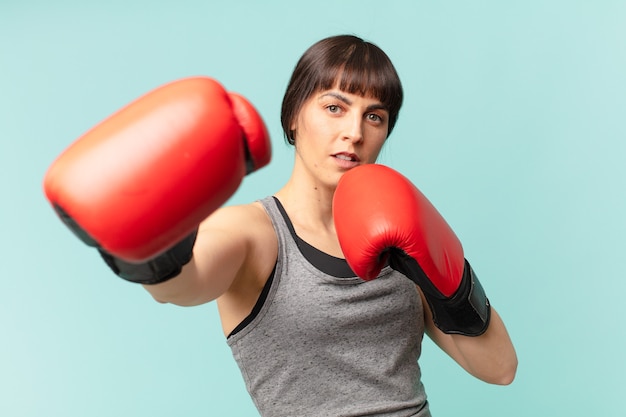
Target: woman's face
{"x": 336, "y": 131}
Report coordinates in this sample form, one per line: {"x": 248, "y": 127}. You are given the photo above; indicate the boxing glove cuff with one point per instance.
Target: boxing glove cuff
{"x": 467, "y": 312}
{"x": 165, "y": 266}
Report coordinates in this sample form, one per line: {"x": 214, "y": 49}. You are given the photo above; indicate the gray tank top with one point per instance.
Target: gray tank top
{"x": 322, "y": 345}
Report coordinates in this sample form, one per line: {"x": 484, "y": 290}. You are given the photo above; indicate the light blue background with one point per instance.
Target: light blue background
{"x": 513, "y": 125}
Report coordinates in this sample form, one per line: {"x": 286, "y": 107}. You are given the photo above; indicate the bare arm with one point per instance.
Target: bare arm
{"x": 490, "y": 357}
{"x": 226, "y": 251}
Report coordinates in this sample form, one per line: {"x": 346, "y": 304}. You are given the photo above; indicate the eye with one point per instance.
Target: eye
{"x": 373, "y": 117}
{"x": 333, "y": 108}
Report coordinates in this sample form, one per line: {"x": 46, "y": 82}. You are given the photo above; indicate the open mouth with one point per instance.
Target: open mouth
{"x": 347, "y": 157}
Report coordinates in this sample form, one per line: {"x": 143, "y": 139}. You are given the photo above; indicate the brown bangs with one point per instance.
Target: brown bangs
{"x": 360, "y": 70}
{"x": 366, "y": 74}
{"x": 348, "y": 63}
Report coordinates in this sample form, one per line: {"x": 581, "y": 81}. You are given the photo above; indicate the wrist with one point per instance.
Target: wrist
{"x": 161, "y": 268}
{"x": 467, "y": 311}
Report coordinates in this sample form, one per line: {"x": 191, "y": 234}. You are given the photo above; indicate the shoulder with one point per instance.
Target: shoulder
{"x": 247, "y": 219}
{"x": 248, "y": 229}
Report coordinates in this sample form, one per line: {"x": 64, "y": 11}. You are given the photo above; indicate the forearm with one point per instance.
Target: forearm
{"x": 491, "y": 356}
{"x": 170, "y": 277}
{"x": 218, "y": 258}
{"x": 182, "y": 290}
{"x": 199, "y": 282}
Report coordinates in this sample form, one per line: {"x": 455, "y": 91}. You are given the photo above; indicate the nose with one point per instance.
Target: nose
{"x": 353, "y": 129}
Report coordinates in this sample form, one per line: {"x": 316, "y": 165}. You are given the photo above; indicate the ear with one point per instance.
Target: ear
{"x": 291, "y": 137}
{"x": 292, "y": 132}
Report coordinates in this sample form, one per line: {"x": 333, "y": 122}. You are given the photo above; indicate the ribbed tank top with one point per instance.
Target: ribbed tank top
{"x": 322, "y": 345}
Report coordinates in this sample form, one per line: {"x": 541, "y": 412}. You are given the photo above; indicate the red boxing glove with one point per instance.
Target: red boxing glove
{"x": 381, "y": 217}
{"x": 143, "y": 179}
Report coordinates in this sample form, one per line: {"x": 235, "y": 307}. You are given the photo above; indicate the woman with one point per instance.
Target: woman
{"x": 310, "y": 337}
{"x": 341, "y": 104}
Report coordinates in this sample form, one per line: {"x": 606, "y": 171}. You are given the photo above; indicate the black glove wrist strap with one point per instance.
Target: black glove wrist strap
{"x": 163, "y": 267}
{"x": 467, "y": 312}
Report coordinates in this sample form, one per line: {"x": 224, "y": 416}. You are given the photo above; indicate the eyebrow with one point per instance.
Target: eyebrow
{"x": 346, "y": 100}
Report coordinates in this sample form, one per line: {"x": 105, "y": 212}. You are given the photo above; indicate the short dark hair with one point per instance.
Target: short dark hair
{"x": 359, "y": 66}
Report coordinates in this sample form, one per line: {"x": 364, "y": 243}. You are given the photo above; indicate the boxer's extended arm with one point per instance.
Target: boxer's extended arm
{"x": 138, "y": 184}
{"x": 234, "y": 247}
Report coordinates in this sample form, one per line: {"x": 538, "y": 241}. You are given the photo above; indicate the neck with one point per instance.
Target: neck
{"x": 308, "y": 201}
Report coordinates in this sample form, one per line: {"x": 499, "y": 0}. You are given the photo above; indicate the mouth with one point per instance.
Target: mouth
{"x": 345, "y": 156}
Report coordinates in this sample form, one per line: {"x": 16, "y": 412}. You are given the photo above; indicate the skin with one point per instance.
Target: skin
{"x": 237, "y": 247}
